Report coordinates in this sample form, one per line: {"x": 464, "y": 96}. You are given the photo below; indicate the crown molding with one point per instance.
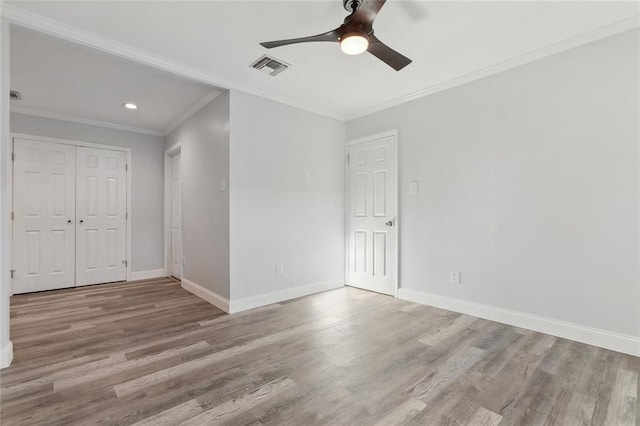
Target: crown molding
{"x": 81, "y": 120}
{"x": 192, "y": 110}
{"x": 573, "y": 42}
{"x": 24, "y": 18}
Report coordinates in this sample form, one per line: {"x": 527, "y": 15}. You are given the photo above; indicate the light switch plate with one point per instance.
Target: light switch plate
{"x": 413, "y": 187}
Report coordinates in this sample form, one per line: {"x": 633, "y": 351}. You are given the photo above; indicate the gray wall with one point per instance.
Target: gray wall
{"x": 147, "y": 187}
{"x": 205, "y": 207}
{"x": 529, "y": 184}
{"x": 287, "y": 197}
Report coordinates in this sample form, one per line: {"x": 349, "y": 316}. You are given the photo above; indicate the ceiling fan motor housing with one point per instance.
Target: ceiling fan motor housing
{"x": 351, "y": 5}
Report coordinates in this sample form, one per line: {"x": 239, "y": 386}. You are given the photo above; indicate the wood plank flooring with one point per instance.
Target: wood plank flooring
{"x": 150, "y": 353}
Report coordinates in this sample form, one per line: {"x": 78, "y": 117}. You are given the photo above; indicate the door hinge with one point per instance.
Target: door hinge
{"x": 126, "y": 167}
{"x": 12, "y": 216}
{"x": 348, "y": 158}
{"x": 13, "y": 156}
{"x": 126, "y": 263}
{"x": 126, "y": 215}
{"x": 13, "y": 271}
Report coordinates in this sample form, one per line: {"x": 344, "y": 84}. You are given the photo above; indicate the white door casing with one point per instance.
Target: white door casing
{"x": 101, "y": 208}
{"x": 176, "y": 215}
{"x": 44, "y": 216}
{"x": 372, "y": 214}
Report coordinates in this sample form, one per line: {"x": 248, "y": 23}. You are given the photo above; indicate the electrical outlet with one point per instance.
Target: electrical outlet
{"x": 279, "y": 269}
{"x": 184, "y": 260}
{"x": 456, "y": 277}
{"x": 223, "y": 185}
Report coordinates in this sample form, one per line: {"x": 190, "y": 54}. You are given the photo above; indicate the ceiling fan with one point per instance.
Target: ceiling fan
{"x": 355, "y": 35}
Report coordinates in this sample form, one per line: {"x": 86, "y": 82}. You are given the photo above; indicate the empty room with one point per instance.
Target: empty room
{"x": 320, "y": 212}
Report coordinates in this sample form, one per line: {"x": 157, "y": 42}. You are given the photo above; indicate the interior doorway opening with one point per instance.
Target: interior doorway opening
{"x": 174, "y": 258}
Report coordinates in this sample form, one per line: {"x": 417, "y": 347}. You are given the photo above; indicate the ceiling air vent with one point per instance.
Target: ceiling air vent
{"x": 269, "y": 65}
{"x": 15, "y": 95}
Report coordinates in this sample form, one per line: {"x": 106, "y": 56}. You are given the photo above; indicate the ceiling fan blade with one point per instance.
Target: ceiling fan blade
{"x": 367, "y": 11}
{"x": 333, "y": 35}
{"x": 386, "y": 54}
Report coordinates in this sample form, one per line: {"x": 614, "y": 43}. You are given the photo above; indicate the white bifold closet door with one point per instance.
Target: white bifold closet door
{"x": 44, "y": 216}
{"x": 70, "y": 207}
{"x": 101, "y": 207}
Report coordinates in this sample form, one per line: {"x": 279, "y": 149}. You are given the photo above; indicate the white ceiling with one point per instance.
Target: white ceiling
{"x": 215, "y": 41}
{"x": 60, "y": 79}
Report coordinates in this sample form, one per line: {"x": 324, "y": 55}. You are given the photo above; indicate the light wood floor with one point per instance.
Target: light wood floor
{"x": 151, "y": 353}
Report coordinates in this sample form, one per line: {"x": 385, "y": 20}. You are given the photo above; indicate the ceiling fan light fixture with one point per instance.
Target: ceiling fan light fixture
{"x": 354, "y": 43}
{"x": 355, "y": 34}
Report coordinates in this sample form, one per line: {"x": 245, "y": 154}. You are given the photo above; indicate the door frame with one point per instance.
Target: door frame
{"x": 391, "y": 133}
{"x": 168, "y": 196}
{"x": 73, "y": 143}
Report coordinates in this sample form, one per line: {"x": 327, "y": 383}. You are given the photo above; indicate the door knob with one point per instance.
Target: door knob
{"x": 68, "y": 220}
{"x": 390, "y": 223}
{"x": 81, "y": 221}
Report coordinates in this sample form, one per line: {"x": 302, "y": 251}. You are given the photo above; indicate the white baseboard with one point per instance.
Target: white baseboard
{"x": 580, "y": 333}
{"x": 147, "y": 275}
{"x": 282, "y": 295}
{"x": 6, "y": 355}
{"x": 206, "y": 294}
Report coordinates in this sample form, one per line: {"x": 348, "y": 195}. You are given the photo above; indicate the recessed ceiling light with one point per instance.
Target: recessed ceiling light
{"x": 129, "y": 105}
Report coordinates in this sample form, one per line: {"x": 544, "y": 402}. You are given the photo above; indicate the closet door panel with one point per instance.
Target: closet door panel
{"x": 44, "y": 216}
{"x": 101, "y": 239}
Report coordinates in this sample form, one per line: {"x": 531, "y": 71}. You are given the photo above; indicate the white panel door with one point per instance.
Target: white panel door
{"x": 176, "y": 216}
{"x": 101, "y": 206}
{"x": 44, "y": 216}
{"x": 372, "y": 215}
